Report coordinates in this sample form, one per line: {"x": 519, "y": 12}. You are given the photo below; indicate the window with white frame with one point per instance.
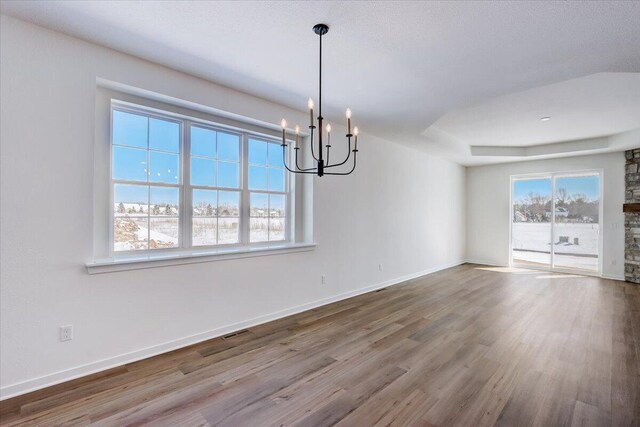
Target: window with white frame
{"x": 181, "y": 182}
{"x": 267, "y": 197}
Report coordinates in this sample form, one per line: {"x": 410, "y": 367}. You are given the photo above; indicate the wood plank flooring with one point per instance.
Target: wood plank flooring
{"x": 468, "y": 346}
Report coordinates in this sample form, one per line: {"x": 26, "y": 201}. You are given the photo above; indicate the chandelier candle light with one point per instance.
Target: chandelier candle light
{"x": 322, "y": 164}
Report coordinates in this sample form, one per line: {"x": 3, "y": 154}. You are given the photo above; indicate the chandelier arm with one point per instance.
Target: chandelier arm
{"x": 284, "y": 161}
{"x": 345, "y": 160}
{"x": 298, "y": 166}
{"x": 284, "y": 157}
{"x": 313, "y": 172}
{"x": 313, "y": 153}
{"x": 345, "y": 173}
{"x": 309, "y": 173}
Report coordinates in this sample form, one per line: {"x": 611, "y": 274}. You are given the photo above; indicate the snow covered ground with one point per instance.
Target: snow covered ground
{"x": 205, "y": 229}
{"x": 531, "y": 244}
{"x": 264, "y": 229}
{"x": 132, "y": 233}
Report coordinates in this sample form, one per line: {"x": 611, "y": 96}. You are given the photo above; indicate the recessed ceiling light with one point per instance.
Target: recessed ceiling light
{"x": 545, "y": 119}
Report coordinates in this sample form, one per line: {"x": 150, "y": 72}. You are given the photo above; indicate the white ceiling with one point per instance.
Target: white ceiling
{"x": 441, "y": 76}
{"x": 579, "y": 110}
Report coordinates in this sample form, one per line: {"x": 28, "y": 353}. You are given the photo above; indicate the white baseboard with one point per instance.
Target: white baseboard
{"x": 48, "y": 380}
{"x": 485, "y": 262}
{"x": 613, "y": 277}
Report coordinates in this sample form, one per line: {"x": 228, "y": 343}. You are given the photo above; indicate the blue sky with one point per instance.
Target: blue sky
{"x": 141, "y": 193}
{"x": 148, "y": 150}
{"x": 587, "y": 185}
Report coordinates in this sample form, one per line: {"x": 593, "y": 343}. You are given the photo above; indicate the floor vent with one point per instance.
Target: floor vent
{"x": 234, "y": 334}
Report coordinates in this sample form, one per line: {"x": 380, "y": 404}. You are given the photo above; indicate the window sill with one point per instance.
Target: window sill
{"x": 135, "y": 262}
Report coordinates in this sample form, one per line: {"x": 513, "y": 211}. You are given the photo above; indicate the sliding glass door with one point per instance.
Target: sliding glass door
{"x": 555, "y": 222}
{"x": 577, "y": 222}
{"x": 531, "y": 222}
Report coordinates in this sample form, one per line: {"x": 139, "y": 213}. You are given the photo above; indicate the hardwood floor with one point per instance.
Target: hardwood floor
{"x": 468, "y": 346}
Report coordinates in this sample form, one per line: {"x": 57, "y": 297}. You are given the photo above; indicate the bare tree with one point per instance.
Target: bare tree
{"x": 537, "y": 206}
{"x": 562, "y": 197}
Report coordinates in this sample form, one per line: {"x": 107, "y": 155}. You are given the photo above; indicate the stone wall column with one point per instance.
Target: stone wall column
{"x": 632, "y": 219}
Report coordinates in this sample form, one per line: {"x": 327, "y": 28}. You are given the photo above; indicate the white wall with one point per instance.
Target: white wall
{"x": 488, "y": 197}
{"x": 401, "y": 208}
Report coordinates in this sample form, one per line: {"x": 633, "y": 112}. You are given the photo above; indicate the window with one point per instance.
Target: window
{"x": 215, "y": 186}
{"x": 267, "y": 192}
{"x": 146, "y": 177}
{"x": 181, "y": 182}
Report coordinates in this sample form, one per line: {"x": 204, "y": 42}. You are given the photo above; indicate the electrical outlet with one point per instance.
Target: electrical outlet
{"x": 66, "y": 333}
{"x": 323, "y": 279}
{"x": 379, "y": 267}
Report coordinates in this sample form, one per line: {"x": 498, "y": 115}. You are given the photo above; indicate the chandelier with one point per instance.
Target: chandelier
{"x": 323, "y": 167}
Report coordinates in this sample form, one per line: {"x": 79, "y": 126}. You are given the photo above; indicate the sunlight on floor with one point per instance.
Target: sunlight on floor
{"x": 514, "y": 270}
{"x": 561, "y": 276}
{"x": 509, "y": 270}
